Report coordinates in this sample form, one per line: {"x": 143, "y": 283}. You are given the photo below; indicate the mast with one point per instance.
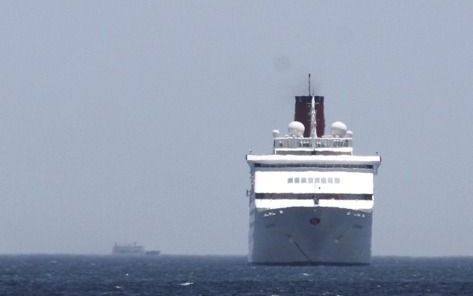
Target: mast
{"x": 309, "y": 85}
{"x": 313, "y": 121}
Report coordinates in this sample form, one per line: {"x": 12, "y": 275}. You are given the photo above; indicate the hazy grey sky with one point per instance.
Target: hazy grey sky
{"x": 130, "y": 120}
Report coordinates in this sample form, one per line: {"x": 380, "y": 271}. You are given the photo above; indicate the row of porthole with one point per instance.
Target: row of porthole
{"x": 322, "y": 180}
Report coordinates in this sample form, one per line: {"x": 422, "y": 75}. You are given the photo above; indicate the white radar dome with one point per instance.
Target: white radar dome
{"x": 349, "y": 134}
{"x": 339, "y": 129}
{"x": 296, "y": 129}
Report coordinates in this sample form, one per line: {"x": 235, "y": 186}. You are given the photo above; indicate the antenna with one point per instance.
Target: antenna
{"x": 309, "y": 84}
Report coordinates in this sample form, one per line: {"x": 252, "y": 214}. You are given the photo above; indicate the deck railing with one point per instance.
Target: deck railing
{"x": 289, "y": 142}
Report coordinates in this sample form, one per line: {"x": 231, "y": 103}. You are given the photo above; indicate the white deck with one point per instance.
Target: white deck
{"x": 275, "y": 159}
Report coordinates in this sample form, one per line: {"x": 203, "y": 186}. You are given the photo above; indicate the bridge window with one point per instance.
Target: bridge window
{"x": 323, "y": 180}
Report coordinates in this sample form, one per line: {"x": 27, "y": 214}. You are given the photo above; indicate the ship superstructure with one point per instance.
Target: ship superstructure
{"x": 311, "y": 200}
{"x": 128, "y": 249}
{"x": 132, "y": 249}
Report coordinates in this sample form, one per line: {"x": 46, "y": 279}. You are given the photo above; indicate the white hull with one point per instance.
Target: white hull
{"x": 310, "y": 235}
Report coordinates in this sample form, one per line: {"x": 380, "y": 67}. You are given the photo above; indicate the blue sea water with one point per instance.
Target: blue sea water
{"x": 213, "y": 275}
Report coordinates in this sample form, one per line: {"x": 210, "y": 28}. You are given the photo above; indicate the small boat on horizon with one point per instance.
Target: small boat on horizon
{"x": 132, "y": 250}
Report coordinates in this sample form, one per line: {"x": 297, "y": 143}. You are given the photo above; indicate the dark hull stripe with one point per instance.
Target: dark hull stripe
{"x": 313, "y": 196}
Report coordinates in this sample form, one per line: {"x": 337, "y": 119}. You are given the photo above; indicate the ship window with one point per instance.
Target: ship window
{"x": 296, "y": 180}
{"x": 330, "y": 180}
{"x": 311, "y": 180}
{"x": 290, "y": 180}
{"x": 324, "y": 180}
{"x": 337, "y": 180}
{"x": 303, "y": 180}
{"x": 317, "y": 180}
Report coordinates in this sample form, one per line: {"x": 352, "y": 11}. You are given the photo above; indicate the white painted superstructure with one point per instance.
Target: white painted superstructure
{"x": 311, "y": 200}
{"x": 311, "y": 181}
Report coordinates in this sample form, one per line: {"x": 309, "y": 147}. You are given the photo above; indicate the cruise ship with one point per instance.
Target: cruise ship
{"x": 311, "y": 200}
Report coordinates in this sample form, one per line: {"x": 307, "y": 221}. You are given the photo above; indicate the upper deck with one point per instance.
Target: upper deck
{"x": 306, "y": 143}
{"x": 323, "y": 161}
{"x": 301, "y": 145}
